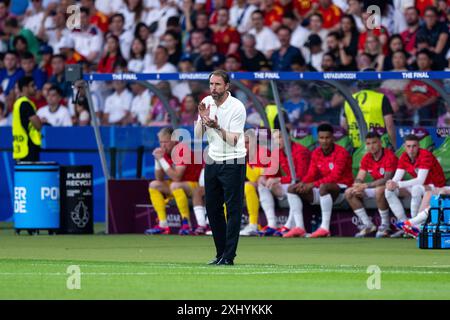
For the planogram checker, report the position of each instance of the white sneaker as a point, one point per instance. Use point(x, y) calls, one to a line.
point(364, 231)
point(398, 234)
point(383, 232)
point(249, 230)
point(208, 233)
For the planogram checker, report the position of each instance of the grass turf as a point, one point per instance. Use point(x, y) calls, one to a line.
point(174, 267)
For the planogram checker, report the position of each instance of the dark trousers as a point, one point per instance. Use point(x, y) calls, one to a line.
point(224, 183)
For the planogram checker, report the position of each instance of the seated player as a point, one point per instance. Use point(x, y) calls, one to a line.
point(329, 174)
point(256, 154)
point(381, 164)
point(426, 173)
point(176, 161)
point(277, 184)
point(412, 226)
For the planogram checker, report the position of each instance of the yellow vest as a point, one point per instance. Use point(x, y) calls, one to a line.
point(21, 134)
point(271, 112)
point(371, 104)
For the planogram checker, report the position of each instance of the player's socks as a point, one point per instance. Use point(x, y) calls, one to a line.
point(326, 204)
point(420, 218)
point(417, 193)
point(384, 214)
point(296, 209)
point(200, 215)
point(395, 204)
point(251, 198)
point(182, 202)
point(268, 205)
point(159, 204)
point(253, 173)
point(362, 214)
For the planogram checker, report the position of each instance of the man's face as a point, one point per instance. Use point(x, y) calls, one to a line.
point(27, 65)
point(166, 143)
point(222, 18)
point(160, 56)
point(373, 145)
point(423, 62)
point(248, 43)
point(284, 36)
point(411, 17)
point(53, 98)
point(116, 24)
point(206, 51)
point(31, 89)
point(412, 149)
point(332, 43)
point(201, 21)
point(57, 65)
point(232, 65)
point(325, 140)
point(84, 20)
point(430, 18)
point(257, 20)
point(10, 61)
point(217, 87)
point(315, 23)
point(327, 62)
point(118, 85)
point(197, 39)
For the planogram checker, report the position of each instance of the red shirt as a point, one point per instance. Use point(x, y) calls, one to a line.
point(184, 156)
point(335, 167)
point(223, 39)
point(262, 158)
point(425, 160)
point(421, 5)
point(303, 6)
point(331, 16)
point(301, 156)
point(377, 169)
point(100, 20)
point(409, 39)
point(273, 15)
point(106, 64)
point(375, 32)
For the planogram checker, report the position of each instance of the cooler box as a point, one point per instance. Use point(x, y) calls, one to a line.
point(36, 196)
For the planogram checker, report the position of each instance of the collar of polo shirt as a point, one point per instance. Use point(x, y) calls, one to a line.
point(225, 102)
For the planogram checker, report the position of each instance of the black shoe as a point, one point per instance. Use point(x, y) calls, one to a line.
point(225, 262)
point(214, 261)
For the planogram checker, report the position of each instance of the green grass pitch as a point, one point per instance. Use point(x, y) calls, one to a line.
point(174, 267)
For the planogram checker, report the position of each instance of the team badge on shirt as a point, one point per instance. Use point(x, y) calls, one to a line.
point(382, 171)
point(331, 165)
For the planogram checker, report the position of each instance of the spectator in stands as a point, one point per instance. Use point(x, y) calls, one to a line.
point(374, 50)
point(232, 63)
point(342, 58)
point(117, 105)
point(4, 15)
point(241, 15)
point(96, 17)
point(208, 59)
point(349, 35)
point(138, 56)
point(112, 56)
point(395, 44)
point(158, 115)
point(172, 41)
point(34, 17)
point(11, 72)
point(133, 12)
point(58, 78)
point(282, 58)
point(161, 62)
point(117, 28)
point(82, 116)
point(380, 163)
point(409, 35)
point(314, 59)
point(328, 62)
point(319, 113)
point(55, 114)
point(329, 173)
point(437, 33)
point(88, 39)
point(331, 15)
point(140, 105)
point(380, 33)
point(157, 18)
point(363, 61)
point(20, 45)
point(422, 99)
point(143, 32)
point(273, 14)
point(12, 30)
point(46, 53)
point(201, 24)
point(252, 59)
point(226, 38)
point(196, 39)
point(30, 69)
point(295, 105)
point(393, 19)
point(189, 110)
point(53, 28)
point(266, 40)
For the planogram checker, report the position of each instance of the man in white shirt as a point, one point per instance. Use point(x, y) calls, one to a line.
point(54, 113)
point(117, 105)
point(157, 18)
point(140, 106)
point(88, 39)
point(117, 28)
point(266, 40)
point(223, 117)
point(241, 16)
point(161, 64)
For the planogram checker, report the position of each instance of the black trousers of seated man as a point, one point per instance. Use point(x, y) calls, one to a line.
point(224, 183)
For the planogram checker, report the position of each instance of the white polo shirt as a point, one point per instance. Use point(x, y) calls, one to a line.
point(231, 116)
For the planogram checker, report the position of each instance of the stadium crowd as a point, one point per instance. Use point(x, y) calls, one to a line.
point(186, 36)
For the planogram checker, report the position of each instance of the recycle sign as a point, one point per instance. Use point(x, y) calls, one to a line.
point(80, 215)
